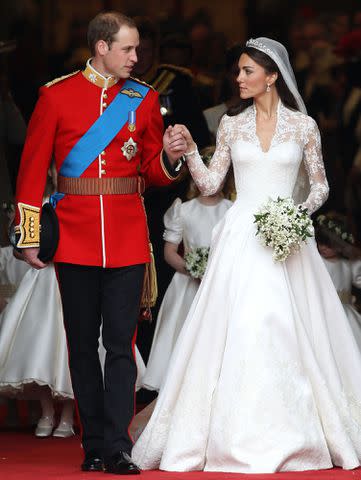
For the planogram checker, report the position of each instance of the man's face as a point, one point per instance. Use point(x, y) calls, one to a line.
point(121, 57)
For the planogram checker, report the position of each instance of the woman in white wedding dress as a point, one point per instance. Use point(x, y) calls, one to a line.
point(265, 375)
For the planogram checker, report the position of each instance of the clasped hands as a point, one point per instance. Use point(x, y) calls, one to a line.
point(177, 141)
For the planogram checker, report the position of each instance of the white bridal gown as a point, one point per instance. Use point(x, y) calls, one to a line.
point(265, 375)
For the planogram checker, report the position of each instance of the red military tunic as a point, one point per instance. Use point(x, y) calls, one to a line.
point(99, 230)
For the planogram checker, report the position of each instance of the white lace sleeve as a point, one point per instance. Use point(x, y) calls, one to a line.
point(210, 179)
point(315, 169)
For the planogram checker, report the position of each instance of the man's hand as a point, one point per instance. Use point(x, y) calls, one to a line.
point(30, 256)
point(174, 143)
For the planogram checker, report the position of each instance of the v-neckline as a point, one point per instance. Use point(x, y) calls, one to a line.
point(258, 140)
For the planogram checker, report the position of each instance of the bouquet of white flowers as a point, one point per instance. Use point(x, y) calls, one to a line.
point(283, 226)
point(196, 261)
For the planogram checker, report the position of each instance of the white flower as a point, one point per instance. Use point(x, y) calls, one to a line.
point(283, 226)
point(196, 261)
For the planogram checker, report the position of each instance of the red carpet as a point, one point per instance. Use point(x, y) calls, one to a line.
point(24, 457)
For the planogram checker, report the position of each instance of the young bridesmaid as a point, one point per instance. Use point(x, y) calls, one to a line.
point(343, 262)
point(189, 223)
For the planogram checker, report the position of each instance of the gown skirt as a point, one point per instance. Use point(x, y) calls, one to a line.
point(265, 375)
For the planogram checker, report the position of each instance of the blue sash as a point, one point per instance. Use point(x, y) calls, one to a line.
point(102, 132)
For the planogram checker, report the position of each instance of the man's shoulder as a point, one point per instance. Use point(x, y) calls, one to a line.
point(141, 82)
point(64, 79)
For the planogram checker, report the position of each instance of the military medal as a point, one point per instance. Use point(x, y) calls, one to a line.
point(131, 120)
point(129, 149)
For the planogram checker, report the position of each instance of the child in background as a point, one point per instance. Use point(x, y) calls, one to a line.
point(190, 223)
point(33, 350)
point(343, 262)
point(11, 269)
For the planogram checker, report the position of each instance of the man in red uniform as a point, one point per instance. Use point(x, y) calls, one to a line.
point(105, 132)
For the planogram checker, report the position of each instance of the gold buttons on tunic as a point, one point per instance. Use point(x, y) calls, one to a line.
point(103, 172)
point(103, 162)
point(105, 95)
point(105, 105)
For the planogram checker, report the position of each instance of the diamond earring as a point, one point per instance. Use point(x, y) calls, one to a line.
point(268, 89)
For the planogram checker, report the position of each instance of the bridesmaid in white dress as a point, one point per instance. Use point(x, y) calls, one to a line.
point(265, 375)
point(192, 223)
point(33, 349)
point(12, 271)
point(343, 263)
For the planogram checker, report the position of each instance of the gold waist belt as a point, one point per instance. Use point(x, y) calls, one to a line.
point(100, 186)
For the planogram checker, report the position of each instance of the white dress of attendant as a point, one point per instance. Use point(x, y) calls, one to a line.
point(191, 222)
point(12, 271)
point(345, 274)
point(33, 348)
point(265, 375)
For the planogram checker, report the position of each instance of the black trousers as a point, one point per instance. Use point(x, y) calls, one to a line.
point(92, 296)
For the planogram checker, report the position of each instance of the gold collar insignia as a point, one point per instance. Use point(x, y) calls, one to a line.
point(97, 78)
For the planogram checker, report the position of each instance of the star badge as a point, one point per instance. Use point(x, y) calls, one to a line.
point(92, 77)
point(129, 149)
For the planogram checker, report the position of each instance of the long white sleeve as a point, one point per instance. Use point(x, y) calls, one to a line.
point(315, 169)
point(209, 180)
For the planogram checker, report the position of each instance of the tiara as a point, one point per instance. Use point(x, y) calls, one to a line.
point(254, 43)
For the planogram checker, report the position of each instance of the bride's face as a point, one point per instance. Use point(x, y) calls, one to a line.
point(252, 78)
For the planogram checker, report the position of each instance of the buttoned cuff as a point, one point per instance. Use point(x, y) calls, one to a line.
point(29, 226)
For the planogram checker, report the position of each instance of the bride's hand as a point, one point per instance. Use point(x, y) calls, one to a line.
point(179, 128)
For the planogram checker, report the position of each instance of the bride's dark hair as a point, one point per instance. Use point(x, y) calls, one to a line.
point(269, 66)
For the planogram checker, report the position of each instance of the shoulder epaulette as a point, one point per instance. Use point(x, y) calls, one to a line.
point(176, 68)
point(162, 82)
point(143, 83)
point(59, 79)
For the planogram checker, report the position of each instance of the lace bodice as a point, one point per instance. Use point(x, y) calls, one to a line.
point(259, 175)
